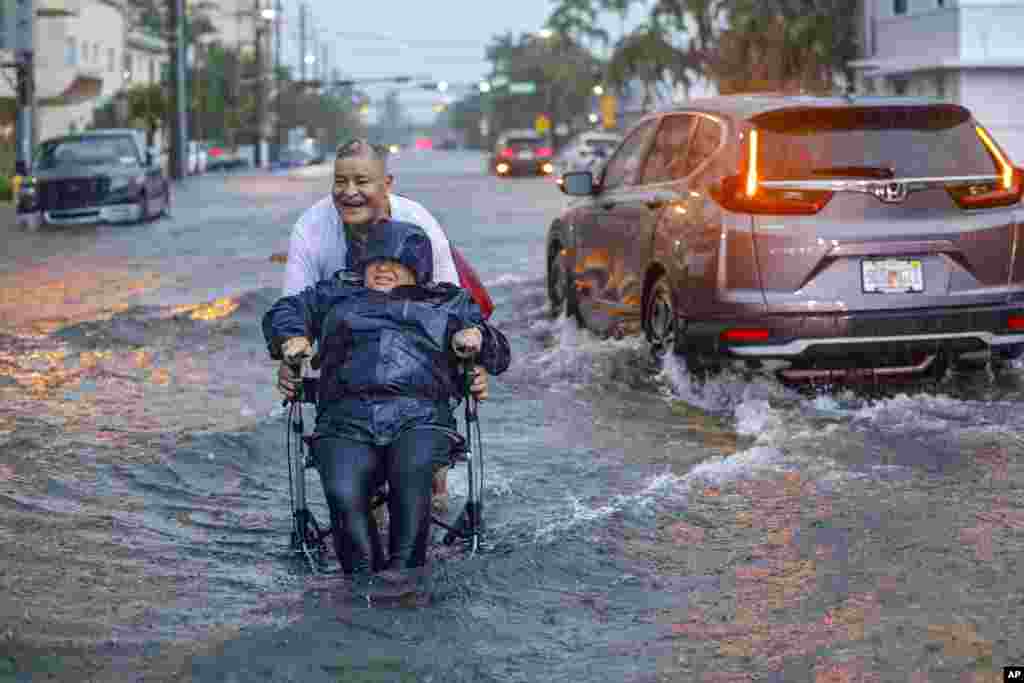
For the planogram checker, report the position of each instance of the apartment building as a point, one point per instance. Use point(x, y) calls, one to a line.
point(970, 52)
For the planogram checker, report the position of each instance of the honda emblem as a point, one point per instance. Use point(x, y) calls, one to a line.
point(891, 193)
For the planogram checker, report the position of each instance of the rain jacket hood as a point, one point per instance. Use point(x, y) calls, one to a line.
point(403, 242)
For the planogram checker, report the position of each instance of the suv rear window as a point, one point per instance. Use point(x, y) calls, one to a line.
point(909, 141)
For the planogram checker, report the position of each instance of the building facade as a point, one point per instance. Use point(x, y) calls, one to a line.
point(969, 52)
point(84, 56)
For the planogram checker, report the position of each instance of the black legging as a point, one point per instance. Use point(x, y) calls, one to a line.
point(351, 472)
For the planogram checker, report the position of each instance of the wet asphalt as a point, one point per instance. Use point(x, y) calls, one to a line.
point(639, 527)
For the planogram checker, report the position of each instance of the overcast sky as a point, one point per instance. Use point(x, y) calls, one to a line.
point(442, 39)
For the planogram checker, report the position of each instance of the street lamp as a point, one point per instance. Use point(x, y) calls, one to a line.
point(264, 16)
point(599, 89)
point(484, 86)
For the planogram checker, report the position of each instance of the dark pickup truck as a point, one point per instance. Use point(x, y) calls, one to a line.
point(99, 176)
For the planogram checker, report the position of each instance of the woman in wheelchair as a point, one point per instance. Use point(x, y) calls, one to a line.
point(389, 351)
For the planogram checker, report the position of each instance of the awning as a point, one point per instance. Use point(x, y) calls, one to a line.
point(82, 89)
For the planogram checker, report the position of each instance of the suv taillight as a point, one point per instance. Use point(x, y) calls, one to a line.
point(508, 153)
point(1003, 192)
point(743, 193)
point(544, 151)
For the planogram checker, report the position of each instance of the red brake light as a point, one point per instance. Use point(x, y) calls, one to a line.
point(745, 334)
point(215, 151)
point(508, 153)
point(544, 152)
point(1003, 192)
point(743, 192)
point(1015, 322)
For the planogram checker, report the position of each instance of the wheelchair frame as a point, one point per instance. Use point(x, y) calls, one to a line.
point(308, 538)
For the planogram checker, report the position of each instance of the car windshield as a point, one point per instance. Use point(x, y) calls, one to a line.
point(522, 142)
point(88, 151)
point(871, 142)
point(602, 145)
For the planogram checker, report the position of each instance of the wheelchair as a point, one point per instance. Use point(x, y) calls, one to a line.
point(309, 538)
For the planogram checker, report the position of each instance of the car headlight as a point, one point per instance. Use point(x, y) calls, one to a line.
point(126, 182)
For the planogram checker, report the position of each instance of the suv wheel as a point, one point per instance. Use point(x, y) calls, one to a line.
point(659, 318)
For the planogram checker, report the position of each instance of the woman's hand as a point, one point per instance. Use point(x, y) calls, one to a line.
point(467, 342)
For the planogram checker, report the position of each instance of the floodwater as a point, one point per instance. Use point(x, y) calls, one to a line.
point(639, 527)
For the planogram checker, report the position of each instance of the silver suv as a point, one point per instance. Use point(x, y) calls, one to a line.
point(843, 236)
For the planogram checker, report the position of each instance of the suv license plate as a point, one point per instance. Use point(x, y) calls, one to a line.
point(892, 276)
point(526, 155)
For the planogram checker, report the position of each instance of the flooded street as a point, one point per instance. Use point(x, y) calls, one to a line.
point(640, 528)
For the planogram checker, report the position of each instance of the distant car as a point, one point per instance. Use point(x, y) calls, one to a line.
point(99, 176)
point(295, 158)
point(834, 237)
point(222, 158)
point(521, 152)
point(586, 151)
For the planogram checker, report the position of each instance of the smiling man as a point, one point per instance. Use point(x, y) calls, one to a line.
point(331, 235)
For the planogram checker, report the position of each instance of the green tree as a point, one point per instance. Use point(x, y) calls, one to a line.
point(648, 55)
point(148, 107)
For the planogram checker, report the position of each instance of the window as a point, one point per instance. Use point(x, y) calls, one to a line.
point(706, 141)
point(667, 159)
point(110, 59)
point(899, 7)
point(71, 51)
point(912, 141)
point(623, 167)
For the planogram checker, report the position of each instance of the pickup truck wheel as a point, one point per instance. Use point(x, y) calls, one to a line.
point(144, 209)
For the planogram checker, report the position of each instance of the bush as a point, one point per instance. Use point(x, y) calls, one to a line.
point(6, 189)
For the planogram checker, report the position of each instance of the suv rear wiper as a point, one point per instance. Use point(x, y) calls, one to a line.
point(880, 172)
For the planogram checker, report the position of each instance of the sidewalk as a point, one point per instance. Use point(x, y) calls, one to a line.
point(8, 222)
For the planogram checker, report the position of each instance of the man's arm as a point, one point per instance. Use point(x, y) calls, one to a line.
point(300, 272)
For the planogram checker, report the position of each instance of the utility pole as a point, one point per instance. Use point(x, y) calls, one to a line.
point(302, 40)
point(179, 131)
point(260, 90)
point(278, 82)
point(24, 64)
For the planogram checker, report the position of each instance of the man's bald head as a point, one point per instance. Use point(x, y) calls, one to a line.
point(361, 183)
point(361, 148)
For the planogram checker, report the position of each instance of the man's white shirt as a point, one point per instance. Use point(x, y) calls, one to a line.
point(317, 247)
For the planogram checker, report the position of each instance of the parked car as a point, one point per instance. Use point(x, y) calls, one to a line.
point(100, 176)
point(222, 158)
point(837, 237)
point(294, 158)
point(518, 152)
point(587, 151)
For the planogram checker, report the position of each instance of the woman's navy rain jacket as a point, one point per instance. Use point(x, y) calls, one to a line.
point(385, 358)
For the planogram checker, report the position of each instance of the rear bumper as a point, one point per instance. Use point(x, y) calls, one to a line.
point(891, 333)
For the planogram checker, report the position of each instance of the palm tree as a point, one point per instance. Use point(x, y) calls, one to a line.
point(647, 54)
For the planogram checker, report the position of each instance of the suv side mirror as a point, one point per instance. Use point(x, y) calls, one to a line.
point(578, 184)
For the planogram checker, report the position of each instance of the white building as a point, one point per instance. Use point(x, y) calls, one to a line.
point(83, 56)
point(970, 52)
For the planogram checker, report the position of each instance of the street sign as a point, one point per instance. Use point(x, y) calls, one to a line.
point(524, 88)
point(542, 124)
point(609, 108)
